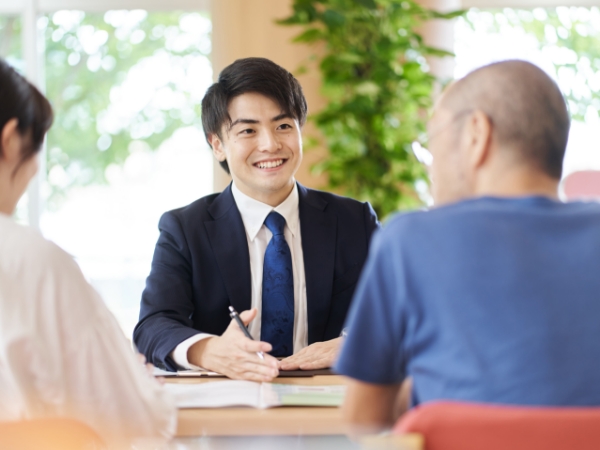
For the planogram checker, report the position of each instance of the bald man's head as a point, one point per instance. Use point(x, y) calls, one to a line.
point(527, 111)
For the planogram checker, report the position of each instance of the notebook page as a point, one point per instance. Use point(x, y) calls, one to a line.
point(215, 395)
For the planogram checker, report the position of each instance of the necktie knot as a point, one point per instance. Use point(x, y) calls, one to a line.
point(275, 222)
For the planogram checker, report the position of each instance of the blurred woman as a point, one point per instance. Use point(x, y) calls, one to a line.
point(62, 353)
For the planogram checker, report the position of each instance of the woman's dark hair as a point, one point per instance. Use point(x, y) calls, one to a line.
point(258, 75)
point(21, 100)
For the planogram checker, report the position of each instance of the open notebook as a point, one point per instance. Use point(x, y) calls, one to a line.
point(256, 395)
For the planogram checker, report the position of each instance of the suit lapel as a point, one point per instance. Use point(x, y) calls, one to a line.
point(229, 243)
point(319, 230)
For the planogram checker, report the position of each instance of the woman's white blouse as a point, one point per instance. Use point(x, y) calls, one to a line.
point(62, 353)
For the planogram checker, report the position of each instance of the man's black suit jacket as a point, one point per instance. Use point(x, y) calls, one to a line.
point(201, 265)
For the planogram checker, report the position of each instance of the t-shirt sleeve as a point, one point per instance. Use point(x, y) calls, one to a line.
point(373, 349)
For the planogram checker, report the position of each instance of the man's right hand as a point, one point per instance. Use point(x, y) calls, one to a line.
point(234, 355)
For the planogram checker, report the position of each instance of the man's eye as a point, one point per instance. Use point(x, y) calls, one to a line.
point(285, 126)
point(247, 131)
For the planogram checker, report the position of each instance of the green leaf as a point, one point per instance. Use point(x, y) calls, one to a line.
point(333, 18)
point(352, 58)
point(432, 51)
point(449, 15)
point(367, 88)
point(310, 35)
point(367, 3)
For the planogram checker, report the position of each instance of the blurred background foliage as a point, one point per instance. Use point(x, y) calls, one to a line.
point(10, 38)
point(101, 76)
point(379, 90)
point(89, 62)
point(370, 56)
point(569, 36)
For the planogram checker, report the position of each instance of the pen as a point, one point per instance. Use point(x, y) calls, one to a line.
point(234, 315)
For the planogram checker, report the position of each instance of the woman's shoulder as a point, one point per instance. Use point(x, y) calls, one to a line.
point(24, 248)
point(46, 275)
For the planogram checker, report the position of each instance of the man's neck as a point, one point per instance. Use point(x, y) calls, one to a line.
point(517, 183)
point(273, 199)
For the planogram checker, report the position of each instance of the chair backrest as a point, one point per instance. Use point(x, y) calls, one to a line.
point(582, 185)
point(48, 434)
point(470, 426)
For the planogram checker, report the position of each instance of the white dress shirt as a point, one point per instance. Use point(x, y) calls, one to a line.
point(253, 215)
point(62, 353)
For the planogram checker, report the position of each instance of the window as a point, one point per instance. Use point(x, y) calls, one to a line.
point(563, 42)
point(126, 144)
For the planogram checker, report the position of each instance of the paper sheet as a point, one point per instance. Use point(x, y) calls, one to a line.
point(257, 395)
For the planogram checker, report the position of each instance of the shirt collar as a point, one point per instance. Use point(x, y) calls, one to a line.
point(254, 212)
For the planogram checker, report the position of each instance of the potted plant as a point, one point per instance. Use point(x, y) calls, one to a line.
point(379, 89)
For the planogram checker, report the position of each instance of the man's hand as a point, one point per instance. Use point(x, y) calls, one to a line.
point(234, 355)
point(319, 355)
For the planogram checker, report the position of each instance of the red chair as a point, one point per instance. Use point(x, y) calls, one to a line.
point(48, 434)
point(471, 426)
point(582, 185)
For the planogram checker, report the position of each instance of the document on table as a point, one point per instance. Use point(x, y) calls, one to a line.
point(186, 373)
point(195, 373)
point(256, 395)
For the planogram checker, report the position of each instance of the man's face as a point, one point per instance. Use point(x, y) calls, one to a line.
point(263, 148)
point(448, 170)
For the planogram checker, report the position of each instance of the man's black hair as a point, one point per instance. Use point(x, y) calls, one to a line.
point(257, 75)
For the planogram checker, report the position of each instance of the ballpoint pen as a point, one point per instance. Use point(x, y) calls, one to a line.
point(235, 316)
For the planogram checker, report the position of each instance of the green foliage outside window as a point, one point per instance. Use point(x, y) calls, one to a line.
point(569, 35)
point(10, 38)
point(379, 90)
point(87, 60)
point(88, 57)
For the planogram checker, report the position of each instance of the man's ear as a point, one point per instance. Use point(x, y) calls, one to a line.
point(11, 141)
point(479, 138)
point(217, 147)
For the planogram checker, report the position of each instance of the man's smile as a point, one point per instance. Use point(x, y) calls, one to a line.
point(271, 164)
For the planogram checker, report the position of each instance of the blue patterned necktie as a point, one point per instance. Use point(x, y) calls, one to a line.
point(277, 325)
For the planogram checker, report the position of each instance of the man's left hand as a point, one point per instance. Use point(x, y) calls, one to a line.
point(319, 355)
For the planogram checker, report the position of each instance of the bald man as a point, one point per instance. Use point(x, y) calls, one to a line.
point(493, 295)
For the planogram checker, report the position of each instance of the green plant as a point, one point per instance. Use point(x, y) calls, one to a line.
point(378, 87)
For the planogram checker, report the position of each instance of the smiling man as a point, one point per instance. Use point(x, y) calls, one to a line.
point(288, 257)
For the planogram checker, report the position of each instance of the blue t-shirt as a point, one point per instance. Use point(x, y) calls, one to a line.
point(489, 300)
